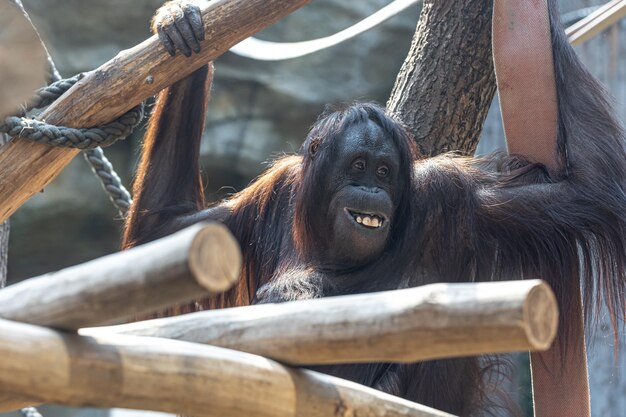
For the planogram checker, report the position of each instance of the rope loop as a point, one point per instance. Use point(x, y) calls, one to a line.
point(91, 140)
point(46, 95)
point(67, 137)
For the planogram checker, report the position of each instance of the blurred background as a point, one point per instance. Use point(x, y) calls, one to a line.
point(258, 110)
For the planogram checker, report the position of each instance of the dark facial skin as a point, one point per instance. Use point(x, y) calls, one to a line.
point(363, 185)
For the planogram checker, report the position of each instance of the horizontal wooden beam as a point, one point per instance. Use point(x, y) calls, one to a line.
point(601, 19)
point(120, 84)
point(434, 321)
point(177, 377)
point(200, 260)
point(11, 402)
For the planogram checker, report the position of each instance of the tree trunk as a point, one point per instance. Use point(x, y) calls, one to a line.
point(446, 84)
point(445, 87)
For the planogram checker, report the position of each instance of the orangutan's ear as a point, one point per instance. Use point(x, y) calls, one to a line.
point(314, 147)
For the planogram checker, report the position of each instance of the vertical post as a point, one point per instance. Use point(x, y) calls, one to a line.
point(522, 48)
point(559, 376)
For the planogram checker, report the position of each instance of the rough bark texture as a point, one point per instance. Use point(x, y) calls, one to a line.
point(446, 84)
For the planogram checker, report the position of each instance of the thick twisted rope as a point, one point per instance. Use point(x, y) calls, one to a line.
point(46, 95)
point(83, 138)
point(91, 140)
point(110, 180)
point(100, 165)
point(68, 137)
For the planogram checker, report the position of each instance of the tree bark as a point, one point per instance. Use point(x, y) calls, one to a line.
point(445, 87)
point(446, 84)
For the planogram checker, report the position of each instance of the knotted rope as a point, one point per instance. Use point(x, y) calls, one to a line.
point(67, 137)
point(91, 140)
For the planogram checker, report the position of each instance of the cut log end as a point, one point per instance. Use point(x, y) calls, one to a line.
point(541, 315)
point(215, 258)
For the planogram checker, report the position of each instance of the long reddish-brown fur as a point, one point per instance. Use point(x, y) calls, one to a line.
point(460, 219)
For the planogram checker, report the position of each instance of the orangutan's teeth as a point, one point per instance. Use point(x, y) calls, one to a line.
point(369, 220)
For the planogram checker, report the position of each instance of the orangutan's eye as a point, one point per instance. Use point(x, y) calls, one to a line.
point(359, 164)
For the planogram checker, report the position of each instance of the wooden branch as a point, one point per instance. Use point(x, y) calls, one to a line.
point(601, 19)
point(434, 321)
point(181, 267)
point(177, 377)
point(122, 83)
point(11, 402)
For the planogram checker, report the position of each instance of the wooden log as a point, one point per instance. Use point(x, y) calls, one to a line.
point(204, 258)
point(430, 322)
point(11, 402)
point(601, 19)
point(122, 83)
point(177, 377)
